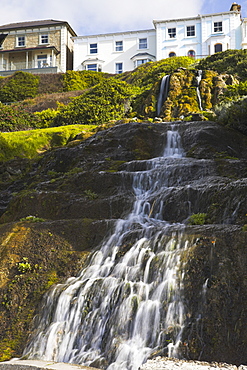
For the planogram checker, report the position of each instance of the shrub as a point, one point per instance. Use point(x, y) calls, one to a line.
point(46, 117)
point(233, 92)
point(14, 119)
point(81, 80)
point(32, 219)
point(109, 100)
point(19, 86)
point(229, 61)
point(233, 114)
point(197, 219)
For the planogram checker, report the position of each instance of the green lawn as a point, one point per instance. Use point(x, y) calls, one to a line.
point(30, 143)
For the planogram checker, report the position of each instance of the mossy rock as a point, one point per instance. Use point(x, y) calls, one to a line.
point(53, 251)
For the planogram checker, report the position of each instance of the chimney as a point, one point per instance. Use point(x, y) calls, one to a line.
point(235, 7)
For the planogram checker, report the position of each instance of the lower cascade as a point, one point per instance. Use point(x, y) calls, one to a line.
point(128, 302)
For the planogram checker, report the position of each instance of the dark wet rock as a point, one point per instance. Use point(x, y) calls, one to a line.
point(80, 191)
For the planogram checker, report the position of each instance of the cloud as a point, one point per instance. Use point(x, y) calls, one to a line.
point(99, 16)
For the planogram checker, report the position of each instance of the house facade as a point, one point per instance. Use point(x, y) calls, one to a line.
point(114, 52)
point(244, 34)
point(36, 47)
point(197, 37)
point(51, 46)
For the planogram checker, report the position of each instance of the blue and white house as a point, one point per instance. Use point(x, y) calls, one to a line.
point(198, 37)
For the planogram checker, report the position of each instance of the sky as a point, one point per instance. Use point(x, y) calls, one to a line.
point(89, 17)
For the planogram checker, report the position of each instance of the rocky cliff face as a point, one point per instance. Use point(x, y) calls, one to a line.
point(77, 193)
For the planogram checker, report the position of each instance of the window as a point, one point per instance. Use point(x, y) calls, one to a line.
point(141, 61)
point(42, 61)
point(143, 43)
point(44, 39)
point(218, 27)
point(119, 46)
point(191, 31)
point(2, 38)
point(119, 68)
point(191, 53)
point(92, 67)
point(172, 33)
point(172, 54)
point(217, 48)
point(93, 48)
point(21, 41)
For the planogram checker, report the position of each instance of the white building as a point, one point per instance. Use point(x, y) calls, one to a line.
point(114, 52)
point(197, 37)
point(244, 34)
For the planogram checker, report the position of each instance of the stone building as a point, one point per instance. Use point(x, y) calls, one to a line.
point(44, 46)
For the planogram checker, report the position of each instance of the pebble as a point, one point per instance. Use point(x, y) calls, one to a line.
point(163, 363)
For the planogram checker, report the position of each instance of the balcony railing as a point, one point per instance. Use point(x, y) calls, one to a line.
point(38, 67)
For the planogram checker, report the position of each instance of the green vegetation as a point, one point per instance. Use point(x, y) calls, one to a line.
point(46, 117)
point(233, 114)
point(30, 143)
point(29, 275)
point(86, 97)
point(32, 219)
point(24, 266)
point(233, 62)
point(103, 103)
point(90, 194)
point(19, 86)
point(14, 119)
point(235, 91)
point(197, 219)
point(81, 80)
point(148, 74)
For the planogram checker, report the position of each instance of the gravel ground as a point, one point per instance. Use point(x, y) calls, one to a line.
point(162, 363)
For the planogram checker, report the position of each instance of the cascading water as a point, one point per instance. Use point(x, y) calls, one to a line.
point(164, 88)
point(128, 301)
point(198, 78)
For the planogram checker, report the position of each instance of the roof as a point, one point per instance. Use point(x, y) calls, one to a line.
point(199, 16)
point(18, 50)
point(114, 33)
point(39, 23)
point(142, 55)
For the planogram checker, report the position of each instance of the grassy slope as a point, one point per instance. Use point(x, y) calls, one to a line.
point(30, 143)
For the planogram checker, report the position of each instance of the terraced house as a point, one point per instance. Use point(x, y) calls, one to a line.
point(198, 37)
point(50, 46)
point(44, 46)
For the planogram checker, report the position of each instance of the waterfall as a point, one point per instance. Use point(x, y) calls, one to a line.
point(127, 302)
point(164, 88)
point(198, 78)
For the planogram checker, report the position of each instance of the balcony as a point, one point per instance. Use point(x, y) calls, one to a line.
point(37, 60)
point(30, 67)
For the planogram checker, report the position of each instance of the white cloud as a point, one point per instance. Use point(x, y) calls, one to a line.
point(99, 16)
